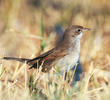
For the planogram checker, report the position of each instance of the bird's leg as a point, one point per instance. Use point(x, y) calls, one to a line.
point(65, 76)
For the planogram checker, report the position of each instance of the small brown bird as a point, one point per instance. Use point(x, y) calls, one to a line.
point(65, 55)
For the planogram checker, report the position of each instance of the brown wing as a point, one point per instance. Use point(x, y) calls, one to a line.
point(43, 55)
point(51, 60)
point(37, 59)
point(47, 59)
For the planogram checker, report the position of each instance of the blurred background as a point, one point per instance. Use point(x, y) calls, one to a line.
point(31, 27)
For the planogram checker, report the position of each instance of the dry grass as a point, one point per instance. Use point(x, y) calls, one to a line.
point(21, 26)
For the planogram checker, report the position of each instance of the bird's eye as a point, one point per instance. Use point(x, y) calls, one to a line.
point(78, 30)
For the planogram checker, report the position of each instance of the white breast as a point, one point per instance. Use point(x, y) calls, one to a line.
point(68, 61)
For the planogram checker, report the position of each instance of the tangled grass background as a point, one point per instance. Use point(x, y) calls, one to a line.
point(28, 28)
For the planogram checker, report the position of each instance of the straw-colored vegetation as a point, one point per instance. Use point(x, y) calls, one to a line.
point(27, 30)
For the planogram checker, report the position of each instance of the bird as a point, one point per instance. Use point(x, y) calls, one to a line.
point(64, 55)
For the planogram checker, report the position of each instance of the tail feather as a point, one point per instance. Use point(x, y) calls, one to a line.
point(16, 59)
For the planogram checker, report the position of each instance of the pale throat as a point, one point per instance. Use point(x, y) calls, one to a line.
point(75, 45)
point(69, 61)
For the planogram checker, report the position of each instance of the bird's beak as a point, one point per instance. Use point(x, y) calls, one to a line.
point(86, 29)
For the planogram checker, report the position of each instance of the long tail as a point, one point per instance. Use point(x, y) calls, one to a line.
point(16, 59)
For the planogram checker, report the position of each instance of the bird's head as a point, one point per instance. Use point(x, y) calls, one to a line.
point(75, 31)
